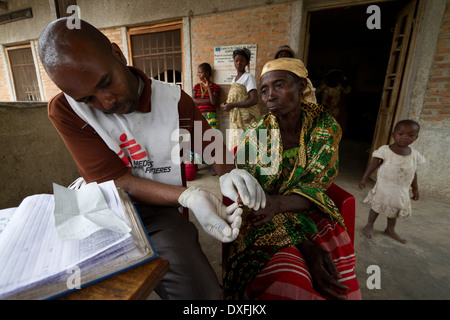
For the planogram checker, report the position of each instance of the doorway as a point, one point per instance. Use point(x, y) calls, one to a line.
point(343, 50)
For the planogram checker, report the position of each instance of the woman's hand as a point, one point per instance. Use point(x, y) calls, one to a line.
point(227, 106)
point(323, 271)
point(278, 203)
point(262, 216)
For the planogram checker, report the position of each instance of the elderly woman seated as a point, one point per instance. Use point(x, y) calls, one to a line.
point(296, 247)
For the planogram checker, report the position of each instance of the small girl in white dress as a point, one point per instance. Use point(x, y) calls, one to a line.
point(397, 172)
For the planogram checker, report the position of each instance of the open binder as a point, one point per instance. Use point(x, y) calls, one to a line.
point(36, 264)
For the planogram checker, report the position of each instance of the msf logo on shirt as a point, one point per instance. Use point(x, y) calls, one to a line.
point(135, 157)
point(135, 151)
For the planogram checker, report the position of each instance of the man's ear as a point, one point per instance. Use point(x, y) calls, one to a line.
point(117, 53)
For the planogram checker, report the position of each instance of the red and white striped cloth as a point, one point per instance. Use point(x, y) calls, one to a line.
point(287, 277)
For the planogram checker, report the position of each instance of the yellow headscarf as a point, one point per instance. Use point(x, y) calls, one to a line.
point(297, 67)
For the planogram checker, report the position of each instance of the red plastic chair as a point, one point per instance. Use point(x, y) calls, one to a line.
point(345, 202)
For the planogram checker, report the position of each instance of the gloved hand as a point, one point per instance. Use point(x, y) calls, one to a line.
point(217, 220)
point(241, 183)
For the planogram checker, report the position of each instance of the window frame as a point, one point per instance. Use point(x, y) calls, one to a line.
point(11, 71)
point(169, 26)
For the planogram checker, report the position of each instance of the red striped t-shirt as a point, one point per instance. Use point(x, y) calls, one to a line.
point(205, 107)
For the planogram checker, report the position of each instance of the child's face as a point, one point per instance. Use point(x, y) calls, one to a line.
point(202, 74)
point(404, 135)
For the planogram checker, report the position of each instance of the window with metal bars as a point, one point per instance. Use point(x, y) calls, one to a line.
point(158, 51)
point(24, 73)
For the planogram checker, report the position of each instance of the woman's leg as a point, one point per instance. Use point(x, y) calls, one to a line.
point(287, 276)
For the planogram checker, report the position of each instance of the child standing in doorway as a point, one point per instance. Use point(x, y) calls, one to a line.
point(397, 172)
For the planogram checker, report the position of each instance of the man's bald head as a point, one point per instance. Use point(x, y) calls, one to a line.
point(57, 42)
point(85, 65)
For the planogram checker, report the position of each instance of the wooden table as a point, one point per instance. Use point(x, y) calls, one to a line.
point(134, 284)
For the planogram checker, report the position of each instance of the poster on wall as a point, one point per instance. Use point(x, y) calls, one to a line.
point(224, 70)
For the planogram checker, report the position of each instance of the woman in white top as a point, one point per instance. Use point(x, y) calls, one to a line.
point(242, 100)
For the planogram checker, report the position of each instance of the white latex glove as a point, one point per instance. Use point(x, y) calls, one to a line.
point(240, 182)
point(217, 220)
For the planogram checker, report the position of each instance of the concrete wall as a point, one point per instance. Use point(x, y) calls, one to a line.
point(113, 13)
point(43, 13)
point(136, 12)
point(32, 153)
point(428, 98)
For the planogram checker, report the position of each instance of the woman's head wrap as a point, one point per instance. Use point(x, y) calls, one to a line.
point(297, 67)
point(246, 53)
